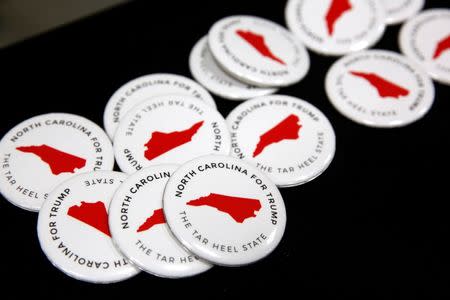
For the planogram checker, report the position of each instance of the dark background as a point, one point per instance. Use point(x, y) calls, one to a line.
point(376, 223)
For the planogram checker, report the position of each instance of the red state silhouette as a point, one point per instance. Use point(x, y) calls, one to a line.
point(287, 129)
point(442, 46)
point(238, 208)
point(156, 218)
point(92, 214)
point(335, 12)
point(161, 142)
point(258, 42)
point(384, 87)
point(58, 161)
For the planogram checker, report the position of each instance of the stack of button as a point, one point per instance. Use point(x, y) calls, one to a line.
point(187, 203)
point(243, 57)
point(184, 207)
point(137, 90)
point(196, 189)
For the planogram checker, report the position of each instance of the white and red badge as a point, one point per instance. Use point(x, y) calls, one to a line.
point(426, 40)
point(336, 27)
point(397, 11)
point(205, 70)
point(139, 229)
point(258, 51)
point(137, 90)
point(287, 138)
point(379, 88)
point(73, 229)
point(45, 150)
point(224, 210)
point(169, 129)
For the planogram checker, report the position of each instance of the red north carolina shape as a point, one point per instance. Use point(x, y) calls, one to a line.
point(161, 142)
point(335, 12)
point(287, 129)
point(442, 46)
point(156, 218)
point(384, 87)
point(92, 214)
point(257, 41)
point(238, 208)
point(58, 161)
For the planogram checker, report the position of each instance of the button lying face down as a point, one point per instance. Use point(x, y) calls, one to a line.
point(137, 90)
point(138, 228)
point(73, 229)
point(287, 138)
point(206, 71)
point(169, 129)
point(397, 11)
point(224, 210)
point(336, 27)
point(43, 151)
point(426, 40)
point(379, 88)
point(258, 51)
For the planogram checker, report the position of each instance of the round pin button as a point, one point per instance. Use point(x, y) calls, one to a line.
point(258, 51)
point(397, 11)
point(169, 129)
point(224, 210)
point(45, 150)
point(379, 88)
point(206, 71)
point(288, 139)
point(426, 40)
point(139, 229)
point(137, 90)
point(336, 27)
point(73, 229)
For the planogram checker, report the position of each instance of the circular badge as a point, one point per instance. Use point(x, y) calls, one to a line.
point(139, 228)
point(73, 229)
point(169, 129)
point(287, 138)
point(426, 40)
point(45, 150)
point(258, 51)
point(397, 11)
point(206, 71)
point(336, 27)
point(224, 210)
point(146, 87)
point(379, 88)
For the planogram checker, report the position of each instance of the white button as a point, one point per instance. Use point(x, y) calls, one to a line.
point(224, 210)
point(397, 11)
point(287, 138)
point(336, 27)
point(137, 90)
point(139, 228)
point(169, 129)
point(258, 51)
point(206, 71)
point(379, 88)
point(426, 40)
point(73, 229)
point(45, 150)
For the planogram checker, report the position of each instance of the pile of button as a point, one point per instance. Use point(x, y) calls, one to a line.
point(199, 190)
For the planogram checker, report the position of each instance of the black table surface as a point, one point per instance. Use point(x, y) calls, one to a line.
point(375, 223)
